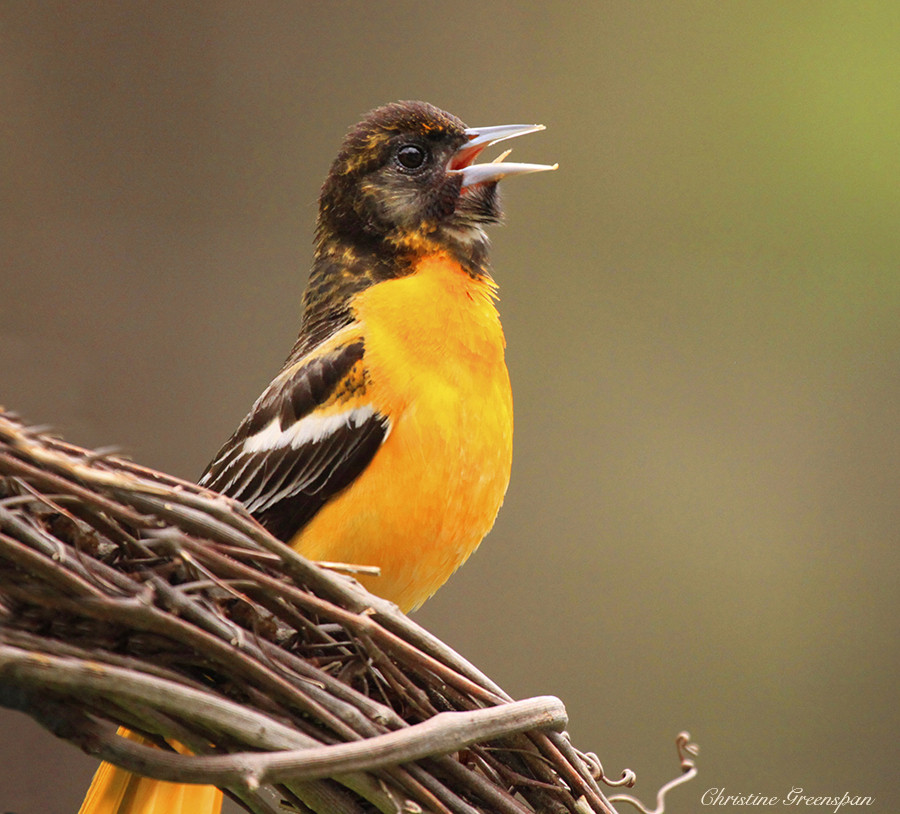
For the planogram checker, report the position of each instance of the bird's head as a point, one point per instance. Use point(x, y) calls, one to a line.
point(404, 181)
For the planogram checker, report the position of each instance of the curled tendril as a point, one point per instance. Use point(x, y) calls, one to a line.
point(593, 764)
point(595, 767)
point(689, 770)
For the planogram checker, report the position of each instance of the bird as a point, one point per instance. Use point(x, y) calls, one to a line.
point(386, 438)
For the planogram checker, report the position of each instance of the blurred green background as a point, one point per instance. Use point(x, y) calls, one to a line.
point(702, 308)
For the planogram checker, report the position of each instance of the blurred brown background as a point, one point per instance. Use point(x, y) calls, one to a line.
point(702, 308)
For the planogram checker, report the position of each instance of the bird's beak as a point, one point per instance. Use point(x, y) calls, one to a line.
point(481, 137)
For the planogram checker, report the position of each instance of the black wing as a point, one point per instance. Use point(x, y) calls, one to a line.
point(309, 435)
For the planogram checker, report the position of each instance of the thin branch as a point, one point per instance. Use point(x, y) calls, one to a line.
point(68, 675)
point(444, 733)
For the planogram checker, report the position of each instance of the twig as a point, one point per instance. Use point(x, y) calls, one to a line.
point(444, 733)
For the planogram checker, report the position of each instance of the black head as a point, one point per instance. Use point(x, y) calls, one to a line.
point(390, 181)
point(399, 179)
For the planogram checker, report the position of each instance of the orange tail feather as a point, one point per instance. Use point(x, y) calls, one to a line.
point(116, 791)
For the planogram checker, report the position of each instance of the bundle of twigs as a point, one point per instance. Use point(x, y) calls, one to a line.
point(128, 597)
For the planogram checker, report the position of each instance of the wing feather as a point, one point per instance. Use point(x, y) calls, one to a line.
point(309, 436)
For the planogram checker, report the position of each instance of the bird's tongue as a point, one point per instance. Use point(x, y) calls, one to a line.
point(465, 155)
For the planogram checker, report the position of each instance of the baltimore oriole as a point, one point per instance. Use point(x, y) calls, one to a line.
point(386, 439)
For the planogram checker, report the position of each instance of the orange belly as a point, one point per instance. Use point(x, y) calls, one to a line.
point(434, 353)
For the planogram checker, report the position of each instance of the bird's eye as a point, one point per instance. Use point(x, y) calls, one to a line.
point(411, 156)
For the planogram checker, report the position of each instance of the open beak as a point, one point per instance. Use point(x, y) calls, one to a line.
point(482, 137)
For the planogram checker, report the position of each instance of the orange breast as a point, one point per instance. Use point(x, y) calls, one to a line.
point(434, 352)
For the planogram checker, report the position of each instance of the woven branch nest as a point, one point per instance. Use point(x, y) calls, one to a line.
point(131, 598)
